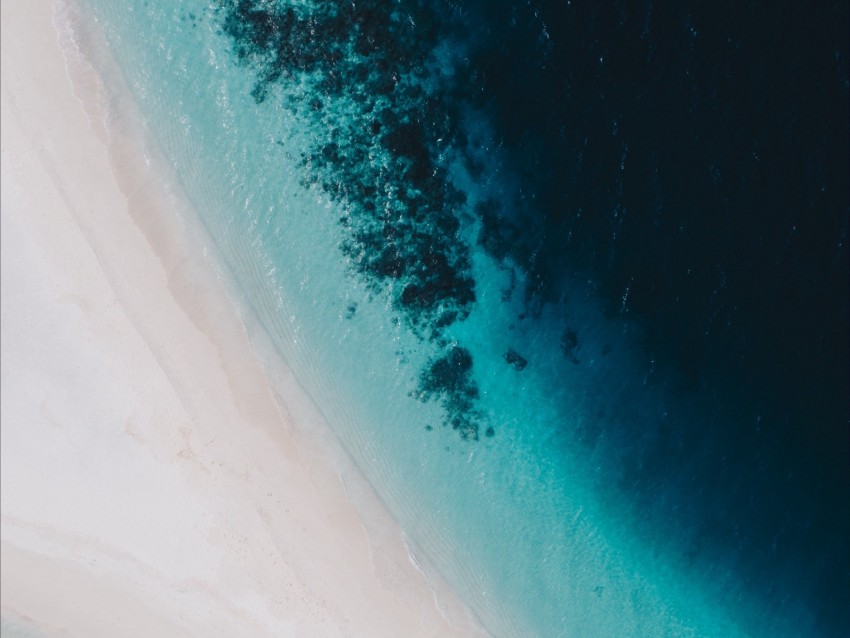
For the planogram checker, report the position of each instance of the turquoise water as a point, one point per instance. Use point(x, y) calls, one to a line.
point(534, 503)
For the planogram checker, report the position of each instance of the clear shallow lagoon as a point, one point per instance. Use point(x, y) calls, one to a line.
point(473, 243)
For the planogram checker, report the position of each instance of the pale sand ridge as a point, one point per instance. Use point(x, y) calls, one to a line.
point(151, 483)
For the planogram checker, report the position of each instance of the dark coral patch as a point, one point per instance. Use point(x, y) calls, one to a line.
point(569, 344)
point(449, 373)
point(377, 151)
point(449, 377)
point(516, 359)
point(403, 209)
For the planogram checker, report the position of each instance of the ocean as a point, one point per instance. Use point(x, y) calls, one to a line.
point(568, 280)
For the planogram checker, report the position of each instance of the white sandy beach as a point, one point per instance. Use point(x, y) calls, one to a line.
point(153, 484)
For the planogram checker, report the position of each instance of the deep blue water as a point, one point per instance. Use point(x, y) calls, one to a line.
point(691, 158)
point(504, 170)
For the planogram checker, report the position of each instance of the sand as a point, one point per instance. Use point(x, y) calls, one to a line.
point(153, 483)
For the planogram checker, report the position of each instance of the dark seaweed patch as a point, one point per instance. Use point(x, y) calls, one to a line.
point(376, 151)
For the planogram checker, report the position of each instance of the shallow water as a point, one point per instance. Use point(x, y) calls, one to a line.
point(568, 283)
point(13, 629)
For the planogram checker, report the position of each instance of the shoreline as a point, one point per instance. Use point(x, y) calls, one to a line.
point(153, 478)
